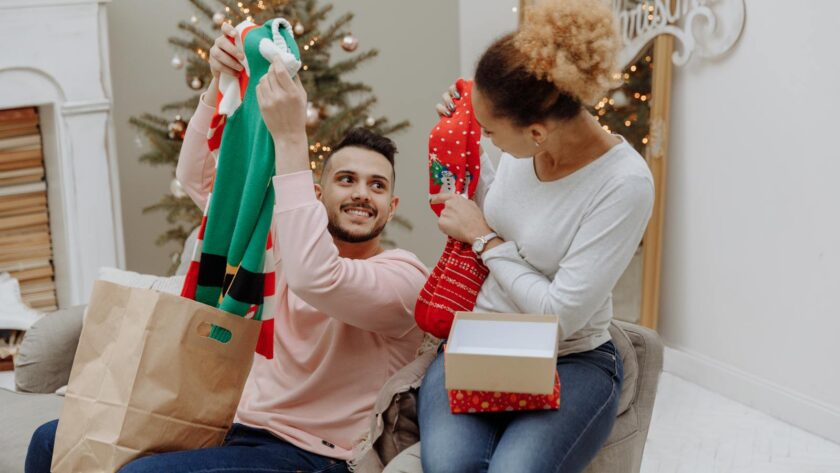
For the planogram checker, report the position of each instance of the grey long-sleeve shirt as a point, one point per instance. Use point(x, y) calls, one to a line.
point(566, 241)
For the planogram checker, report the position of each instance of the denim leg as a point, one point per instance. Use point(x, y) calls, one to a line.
point(245, 450)
point(566, 440)
point(461, 443)
point(39, 454)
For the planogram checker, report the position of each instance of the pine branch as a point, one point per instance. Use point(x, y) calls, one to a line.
point(332, 33)
point(204, 40)
point(203, 8)
point(389, 130)
point(351, 64)
point(189, 104)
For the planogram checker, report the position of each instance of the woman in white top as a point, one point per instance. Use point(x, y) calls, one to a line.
point(568, 206)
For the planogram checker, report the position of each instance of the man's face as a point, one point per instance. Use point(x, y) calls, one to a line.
point(357, 190)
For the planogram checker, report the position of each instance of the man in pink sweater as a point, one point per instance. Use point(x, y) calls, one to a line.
point(344, 316)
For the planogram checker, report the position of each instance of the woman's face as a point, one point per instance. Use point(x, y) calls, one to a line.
point(519, 142)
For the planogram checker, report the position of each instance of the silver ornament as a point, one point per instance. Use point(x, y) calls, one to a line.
point(313, 115)
point(349, 43)
point(193, 19)
point(299, 29)
point(218, 18)
point(370, 121)
point(620, 99)
point(176, 62)
point(177, 189)
point(196, 83)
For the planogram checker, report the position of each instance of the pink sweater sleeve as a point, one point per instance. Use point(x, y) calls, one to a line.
point(376, 294)
point(196, 166)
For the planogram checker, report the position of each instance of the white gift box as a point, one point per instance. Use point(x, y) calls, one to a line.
point(514, 353)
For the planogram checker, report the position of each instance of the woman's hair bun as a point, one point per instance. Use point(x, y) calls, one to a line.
point(573, 44)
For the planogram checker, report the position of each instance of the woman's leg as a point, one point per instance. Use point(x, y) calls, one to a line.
point(453, 443)
point(566, 440)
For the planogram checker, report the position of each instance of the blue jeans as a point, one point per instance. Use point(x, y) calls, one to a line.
point(245, 450)
point(565, 440)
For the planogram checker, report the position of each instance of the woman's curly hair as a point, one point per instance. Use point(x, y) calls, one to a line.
point(564, 55)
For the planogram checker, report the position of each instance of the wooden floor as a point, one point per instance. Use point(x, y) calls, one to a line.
point(697, 431)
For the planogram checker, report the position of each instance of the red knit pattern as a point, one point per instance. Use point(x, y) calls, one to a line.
point(454, 167)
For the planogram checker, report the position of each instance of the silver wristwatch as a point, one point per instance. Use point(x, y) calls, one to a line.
point(481, 242)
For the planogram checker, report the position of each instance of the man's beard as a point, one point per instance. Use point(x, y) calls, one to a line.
point(344, 235)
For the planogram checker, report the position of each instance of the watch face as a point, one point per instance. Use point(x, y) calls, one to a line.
point(477, 246)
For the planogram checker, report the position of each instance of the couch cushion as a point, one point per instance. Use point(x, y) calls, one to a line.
point(46, 353)
point(22, 414)
point(631, 367)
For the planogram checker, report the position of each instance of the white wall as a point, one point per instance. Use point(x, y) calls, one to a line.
point(751, 266)
point(143, 81)
point(751, 263)
point(418, 59)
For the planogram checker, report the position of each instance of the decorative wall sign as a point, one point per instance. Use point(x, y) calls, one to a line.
point(706, 27)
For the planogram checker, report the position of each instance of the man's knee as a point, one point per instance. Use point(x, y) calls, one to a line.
point(39, 454)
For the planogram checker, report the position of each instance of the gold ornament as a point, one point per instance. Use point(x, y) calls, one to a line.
point(349, 43)
point(177, 128)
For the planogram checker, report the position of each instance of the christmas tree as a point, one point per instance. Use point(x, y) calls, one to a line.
point(335, 105)
point(626, 109)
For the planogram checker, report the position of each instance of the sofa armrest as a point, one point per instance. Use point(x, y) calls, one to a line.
point(46, 353)
point(649, 348)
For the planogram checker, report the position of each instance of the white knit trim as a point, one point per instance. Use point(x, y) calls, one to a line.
point(278, 49)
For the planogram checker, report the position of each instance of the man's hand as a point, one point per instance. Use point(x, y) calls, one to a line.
point(461, 218)
point(282, 102)
point(224, 55)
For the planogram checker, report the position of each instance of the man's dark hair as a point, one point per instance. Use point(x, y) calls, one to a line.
point(370, 140)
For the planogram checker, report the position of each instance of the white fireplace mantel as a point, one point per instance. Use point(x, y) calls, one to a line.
point(54, 55)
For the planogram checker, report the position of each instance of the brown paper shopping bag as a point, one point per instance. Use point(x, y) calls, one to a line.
point(146, 379)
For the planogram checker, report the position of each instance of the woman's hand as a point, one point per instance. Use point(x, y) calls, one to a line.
point(461, 218)
point(224, 55)
point(447, 105)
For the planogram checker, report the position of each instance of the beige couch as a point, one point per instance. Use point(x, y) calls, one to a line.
point(641, 350)
point(46, 355)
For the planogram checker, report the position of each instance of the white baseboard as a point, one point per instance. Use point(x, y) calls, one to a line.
point(780, 402)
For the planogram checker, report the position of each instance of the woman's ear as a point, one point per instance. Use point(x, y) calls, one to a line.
point(539, 133)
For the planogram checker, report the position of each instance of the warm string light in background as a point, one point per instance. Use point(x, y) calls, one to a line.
point(627, 101)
